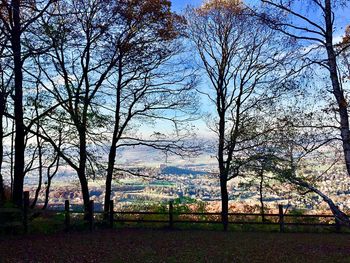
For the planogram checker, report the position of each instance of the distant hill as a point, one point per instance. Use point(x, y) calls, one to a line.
point(179, 171)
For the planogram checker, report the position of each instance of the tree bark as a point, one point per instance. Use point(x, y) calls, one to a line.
point(2, 111)
point(82, 169)
point(342, 217)
point(40, 146)
point(337, 90)
point(224, 203)
point(12, 155)
point(110, 169)
point(47, 193)
point(222, 169)
point(261, 185)
point(37, 191)
point(113, 148)
point(84, 189)
point(49, 179)
point(18, 105)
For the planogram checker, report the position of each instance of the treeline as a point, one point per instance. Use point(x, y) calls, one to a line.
point(82, 79)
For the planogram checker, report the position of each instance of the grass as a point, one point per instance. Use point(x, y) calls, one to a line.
point(161, 245)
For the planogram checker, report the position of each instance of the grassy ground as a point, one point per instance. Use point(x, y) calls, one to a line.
point(147, 245)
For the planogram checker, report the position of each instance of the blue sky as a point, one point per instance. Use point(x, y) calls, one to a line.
point(342, 14)
point(179, 5)
point(342, 19)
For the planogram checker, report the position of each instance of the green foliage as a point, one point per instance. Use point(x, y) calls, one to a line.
point(181, 204)
point(184, 200)
point(8, 204)
point(300, 218)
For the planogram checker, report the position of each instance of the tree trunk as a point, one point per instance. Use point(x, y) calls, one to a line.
point(49, 176)
point(40, 174)
point(262, 209)
point(337, 90)
point(342, 217)
point(84, 190)
point(47, 192)
point(12, 155)
point(39, 145)
point(223, 172)
point(18, 105)
point(82, 170)
point(2, 110)
point(224, 203)
point(112, 151)
point(110, 169)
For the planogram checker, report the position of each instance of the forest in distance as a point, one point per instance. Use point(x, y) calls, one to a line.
point(259, 86)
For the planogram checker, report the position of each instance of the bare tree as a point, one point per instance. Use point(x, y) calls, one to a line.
point(5, 93)
point(81, 60)
point(314, 27)
point(151, 83)
point(243, 60)
point(16, 18)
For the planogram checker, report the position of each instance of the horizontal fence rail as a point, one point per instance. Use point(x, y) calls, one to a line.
point(170, 217)
point(174, 217)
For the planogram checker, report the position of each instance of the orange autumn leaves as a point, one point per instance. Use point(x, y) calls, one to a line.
point(152, 12)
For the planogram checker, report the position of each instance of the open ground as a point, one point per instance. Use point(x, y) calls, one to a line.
point(159, 245)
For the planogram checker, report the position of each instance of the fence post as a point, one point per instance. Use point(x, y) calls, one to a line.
point(171, 218)
point(66, 215)
point(111, 213)
point(91, 214)
point(25, 210)
point(337, 224)
point(281, 218)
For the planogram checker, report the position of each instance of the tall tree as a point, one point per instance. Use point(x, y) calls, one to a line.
point(81, 60)
point(238, 53)
point(314, 27)
point(5, 93)
point(17, 17)
point(150, 82)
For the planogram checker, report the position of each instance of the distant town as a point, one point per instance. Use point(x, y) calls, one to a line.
point(194, 183)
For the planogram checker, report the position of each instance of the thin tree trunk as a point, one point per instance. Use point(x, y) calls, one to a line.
point(49, 175)
point(12, 155)
point(40, 174)
point(110, 169)
point(39, 145)
point(261, 185)
point(112, 151)
point(49, 179)
point(2, 112)
point(2, 188)
point(47, 193)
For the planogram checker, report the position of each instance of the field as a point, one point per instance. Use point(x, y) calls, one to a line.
point(161, 245)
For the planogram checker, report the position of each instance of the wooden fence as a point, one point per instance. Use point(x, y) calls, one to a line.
point(172, 217)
